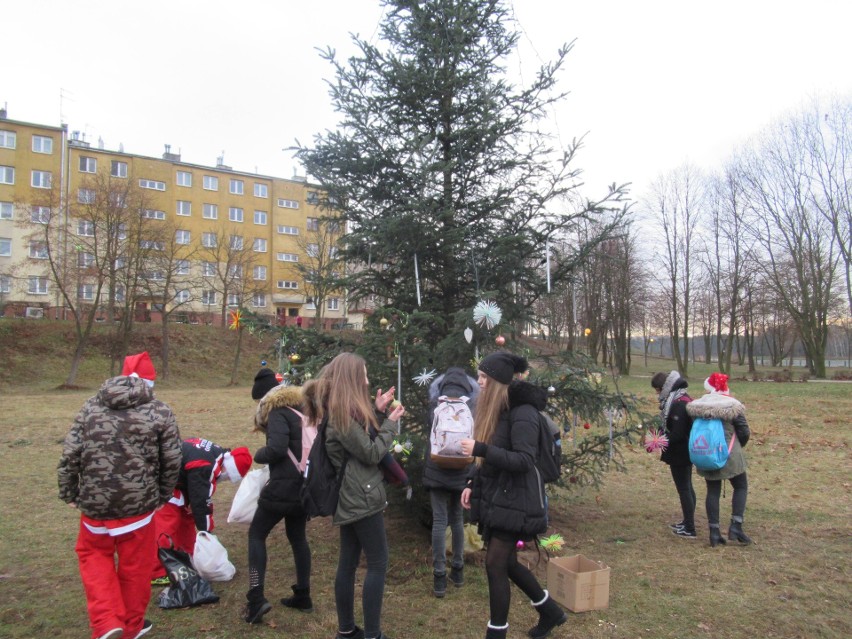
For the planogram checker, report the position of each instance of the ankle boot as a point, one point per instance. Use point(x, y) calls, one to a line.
point(716, 536)
point(496, 633)
point(301, 599)
point(457, 577)
point(735, 533)
point(439, 585)
point(256, 607)
point(550, 615)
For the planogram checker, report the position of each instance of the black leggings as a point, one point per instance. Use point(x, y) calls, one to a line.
point(682, 476)
point(738, 500)
point(501, 566)
point(262, 524)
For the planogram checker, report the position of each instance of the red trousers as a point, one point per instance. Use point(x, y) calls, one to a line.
point(117, 592)
point(179, 524)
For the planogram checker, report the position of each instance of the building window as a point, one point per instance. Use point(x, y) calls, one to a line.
point(259, 245)
point(210, 211)
point(235, 271)
point(40, 215)
point(259, 300)
point(237, 187)
point(236, 242)
point(38, 250)
point(235, 214)
point(86, 196)
point(313, 197)
point(88, 165)
point(309, 304)
point(5, 247)
point(86, 228)
point(312, 250)
point(7, 174)
point(287, 257)
point(119, 293)
point(208, 240)
point(211, 183)
point(152, 184)
point(208, 269)
point(86, 291)
point(182, 267)
point(121, 231)
point(184, 178)
point(182, 296)
point(6, 210)
point(258, 273)
point(37, 285)
point(153, 214)
point(261, 190)
point(333, 304)
point(208, 298)
point(152, 245)
point(312, 224)
point(155, 276)
point(5, 284)
point(8, 139)
point(289, 284)
point(85, 260)
point(184, 208)
point(233, 299)
point(288, 204)
point(118, 169)
point(42, 179)
point(287, 230)
point(42, 144)
point(260, 217)
point(182, 237)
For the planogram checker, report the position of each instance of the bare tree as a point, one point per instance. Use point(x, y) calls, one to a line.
point(320, 264)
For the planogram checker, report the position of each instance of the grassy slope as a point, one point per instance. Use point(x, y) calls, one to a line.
point(793, 583)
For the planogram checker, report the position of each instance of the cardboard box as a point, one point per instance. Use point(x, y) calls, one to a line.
point(578, 583)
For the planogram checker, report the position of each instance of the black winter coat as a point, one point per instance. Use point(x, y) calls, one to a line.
point(678, 426)
point(508, 491)
point(283, 431)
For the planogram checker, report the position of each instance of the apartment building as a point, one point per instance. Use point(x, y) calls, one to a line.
point(195, 219)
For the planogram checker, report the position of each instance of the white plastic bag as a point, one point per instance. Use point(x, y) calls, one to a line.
point(245, 499)
point(210, 558)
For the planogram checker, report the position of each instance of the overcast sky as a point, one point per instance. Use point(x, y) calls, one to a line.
point(654, 83)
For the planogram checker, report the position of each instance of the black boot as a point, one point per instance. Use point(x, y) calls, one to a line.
point(496, 633)
point(716, 536)
point(301, 599)
point(256, 607)
point(457, 577)
point(439, 585)
point(735, 533)
point(550, 615)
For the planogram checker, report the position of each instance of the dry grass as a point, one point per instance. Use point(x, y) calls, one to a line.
point(794, 582)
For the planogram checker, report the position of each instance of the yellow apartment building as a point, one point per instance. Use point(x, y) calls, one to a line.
point(189, 211)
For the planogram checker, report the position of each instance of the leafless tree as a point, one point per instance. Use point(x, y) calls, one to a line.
point(320, 265)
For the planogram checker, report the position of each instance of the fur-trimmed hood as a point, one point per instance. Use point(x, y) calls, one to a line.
point(278, 397)
point(715, 405)
point(521, 393)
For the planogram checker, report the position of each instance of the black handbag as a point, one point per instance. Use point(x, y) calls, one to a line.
point(186, 587)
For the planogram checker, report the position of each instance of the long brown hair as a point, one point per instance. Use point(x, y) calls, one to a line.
point(492, 401)
point(342, 394)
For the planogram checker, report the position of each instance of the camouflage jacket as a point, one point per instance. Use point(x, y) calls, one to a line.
point(122, 456)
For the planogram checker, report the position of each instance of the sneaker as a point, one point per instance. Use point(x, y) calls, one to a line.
point(115, 633)
point(439, 585)
point(679, 524)
point(253, 613)
point(457, 577)
point(356, 633)
point(160, 581)
point(685, 533)
point(146, 626)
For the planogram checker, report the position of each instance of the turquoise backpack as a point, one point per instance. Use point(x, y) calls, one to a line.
point(708, 449)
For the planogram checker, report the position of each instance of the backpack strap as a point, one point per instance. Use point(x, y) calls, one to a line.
point(289, 450)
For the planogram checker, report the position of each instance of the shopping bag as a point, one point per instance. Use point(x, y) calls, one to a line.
point(245, 499)
point(210, 559)
point(186, 587)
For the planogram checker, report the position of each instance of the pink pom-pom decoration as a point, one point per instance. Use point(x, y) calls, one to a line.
point(656, 440)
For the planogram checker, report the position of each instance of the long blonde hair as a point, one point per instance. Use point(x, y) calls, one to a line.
point(492, 401)
point(342, 394)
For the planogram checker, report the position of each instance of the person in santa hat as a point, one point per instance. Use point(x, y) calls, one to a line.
point(718, 404)
point(190, 510)
point(120, 462)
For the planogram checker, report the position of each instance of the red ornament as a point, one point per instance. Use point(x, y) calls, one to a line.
point(500, 340)
point(279, 377)
point(587, 425)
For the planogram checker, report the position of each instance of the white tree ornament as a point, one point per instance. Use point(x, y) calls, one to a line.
point(487, 313)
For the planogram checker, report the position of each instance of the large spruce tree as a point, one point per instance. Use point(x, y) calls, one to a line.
point(438, 156)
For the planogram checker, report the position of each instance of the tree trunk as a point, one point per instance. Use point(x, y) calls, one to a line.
point(237, 352)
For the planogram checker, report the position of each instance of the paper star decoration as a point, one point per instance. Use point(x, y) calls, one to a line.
point(656, 440)
point(424, 377)
point(553, 543)
point(236, 320)
point(487, 313)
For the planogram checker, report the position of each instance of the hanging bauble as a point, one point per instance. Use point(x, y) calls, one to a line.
point(551, 390)
point(500, 340)
point(295, 357)
point(279, 377)
point(383, 322)
point(587, 332)
point(468, 335)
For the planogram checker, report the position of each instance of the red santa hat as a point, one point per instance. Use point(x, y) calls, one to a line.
point(140, 365)
point(237, 463)
point(717, 383)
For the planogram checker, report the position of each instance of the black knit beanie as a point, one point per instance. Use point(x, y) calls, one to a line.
point(264, 381)
point(502, 366)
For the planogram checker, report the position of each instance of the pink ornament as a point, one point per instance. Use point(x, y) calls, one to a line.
point(656, 440)
point(520, 545)
point(500, 340)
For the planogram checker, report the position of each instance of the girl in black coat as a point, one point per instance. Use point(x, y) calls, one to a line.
point(506, 496)
point(279, 499)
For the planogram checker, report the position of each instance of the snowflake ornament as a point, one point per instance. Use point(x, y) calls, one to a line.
point(656, 440)
point(487, 313)
point(424, 377)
